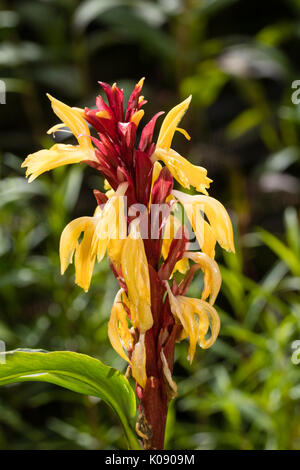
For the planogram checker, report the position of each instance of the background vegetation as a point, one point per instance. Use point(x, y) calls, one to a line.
point(238, 58)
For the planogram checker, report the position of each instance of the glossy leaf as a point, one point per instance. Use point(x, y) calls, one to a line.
point(76, 372)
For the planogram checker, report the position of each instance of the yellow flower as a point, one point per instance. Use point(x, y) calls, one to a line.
point(196, 317)
point(118, 330)
point(183, 171)
point(219, 227)
point(136, 275)
point(100, 233)
point(212, 275)
point(84, 259)
point(110, 232)
point(62, 154)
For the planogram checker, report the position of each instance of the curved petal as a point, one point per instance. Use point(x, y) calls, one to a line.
point(58, 155)
point(111, 228)
point(203, 308)
point(84, 260)
point(212, 275)
point(73, 118)
point(195, 316)
point(170, 123)
point(136, 275)
point(216, 213)
point(184, 171)
point(118, 328)
point(138, 362)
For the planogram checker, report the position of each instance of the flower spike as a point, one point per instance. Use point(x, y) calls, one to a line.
point(135, 223)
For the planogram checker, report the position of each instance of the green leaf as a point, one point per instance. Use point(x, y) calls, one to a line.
point(76, 372)
point(281, 250)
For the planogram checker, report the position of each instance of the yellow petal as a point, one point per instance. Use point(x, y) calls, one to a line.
point(111, 229)
point(195, 316)
point(137, 116)
point(216, 213)
point(84, 260)
point(212, 275)
point(203, 309)
point(138, 362)
point(114, 251)
point(118, 328)
point(193, 324)
point(58, 155)
point(170, 124)
point(184, 171)
point(209, 242)
point(141, 82)
point(103, 114)
point(157, 167)
point(136, 275)
point(107, 186)
point(73, 119)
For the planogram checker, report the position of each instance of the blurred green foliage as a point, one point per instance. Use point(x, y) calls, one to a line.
point(238, 58)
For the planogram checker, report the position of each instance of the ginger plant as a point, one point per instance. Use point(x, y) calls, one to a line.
point(136, 223)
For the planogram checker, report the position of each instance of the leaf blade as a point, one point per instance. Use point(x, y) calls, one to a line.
point(76, 372)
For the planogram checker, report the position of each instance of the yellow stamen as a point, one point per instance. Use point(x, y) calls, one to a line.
point(184, 132)
point(55, 128)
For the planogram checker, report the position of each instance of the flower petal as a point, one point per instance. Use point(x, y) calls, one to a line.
point(84, 260)
point(138, 362)
point(58, 155)
point(118, 328)
point(170, 123)
point(212, 275)
point(73, 118)
point(216, 213)
point(136, 275)
point(184, 171)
